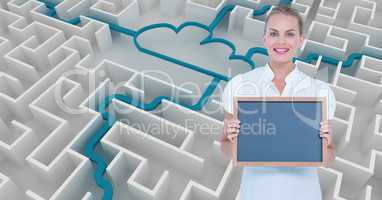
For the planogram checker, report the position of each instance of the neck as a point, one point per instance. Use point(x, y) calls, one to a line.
point(281, 70)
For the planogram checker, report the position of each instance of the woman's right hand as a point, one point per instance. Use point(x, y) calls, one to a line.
point(232, 131)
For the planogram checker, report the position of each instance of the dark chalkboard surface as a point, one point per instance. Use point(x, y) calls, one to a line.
point(280, 131)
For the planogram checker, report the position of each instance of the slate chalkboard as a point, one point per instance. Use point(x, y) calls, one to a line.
point(280, 131)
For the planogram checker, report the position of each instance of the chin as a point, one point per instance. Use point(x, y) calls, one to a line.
point(282, 58)
point(278, 59)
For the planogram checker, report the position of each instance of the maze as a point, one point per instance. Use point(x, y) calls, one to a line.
point(105, 99)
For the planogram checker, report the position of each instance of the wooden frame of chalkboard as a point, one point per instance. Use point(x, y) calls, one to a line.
point(321, 100)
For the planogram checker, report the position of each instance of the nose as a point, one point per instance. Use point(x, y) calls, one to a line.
point(281, 40)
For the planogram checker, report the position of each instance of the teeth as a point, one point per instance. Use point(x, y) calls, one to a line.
point(281, 50)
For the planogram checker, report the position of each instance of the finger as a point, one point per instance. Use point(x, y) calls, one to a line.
point(233, 124)
point(325, 125)
point(325, 134)
point(236, 123)
point(325, 128)
point(233, 130)
point(231, 138)
point(324, 131)
point(231, 135)
point(329, 140)
point(326, 140)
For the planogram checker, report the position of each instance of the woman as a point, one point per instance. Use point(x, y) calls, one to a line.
point(279, 77)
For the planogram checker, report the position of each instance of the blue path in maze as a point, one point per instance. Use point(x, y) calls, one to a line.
point(109, 120)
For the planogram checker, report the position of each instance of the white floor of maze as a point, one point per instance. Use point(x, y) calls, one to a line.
point(46, 63)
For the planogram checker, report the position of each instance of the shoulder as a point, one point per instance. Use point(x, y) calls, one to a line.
point(321, 85)
point(314, 82)
point(253, 75)
point(321, 88)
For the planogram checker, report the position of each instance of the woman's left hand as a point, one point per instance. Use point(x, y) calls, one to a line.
point(326, 132)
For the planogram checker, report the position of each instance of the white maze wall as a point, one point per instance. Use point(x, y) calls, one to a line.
point(46, 63)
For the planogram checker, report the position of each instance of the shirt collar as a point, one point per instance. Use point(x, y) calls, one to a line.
point(269, 75)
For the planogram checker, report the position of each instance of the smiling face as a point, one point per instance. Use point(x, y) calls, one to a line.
point(282, 38)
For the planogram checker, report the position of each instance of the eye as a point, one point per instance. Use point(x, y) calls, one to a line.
point(273, 34)
point(290, 34)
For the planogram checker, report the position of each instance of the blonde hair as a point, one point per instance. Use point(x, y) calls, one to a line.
point(286, 10)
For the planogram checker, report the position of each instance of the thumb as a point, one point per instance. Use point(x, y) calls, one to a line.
point(229, 138)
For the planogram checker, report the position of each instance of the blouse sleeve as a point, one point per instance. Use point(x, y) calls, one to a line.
point(327, 92)
point(227, 95)
point(331, 103)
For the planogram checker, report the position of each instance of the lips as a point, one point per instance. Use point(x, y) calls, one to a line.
point(280, 50)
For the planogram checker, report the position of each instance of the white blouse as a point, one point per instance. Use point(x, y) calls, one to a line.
point(275, 183)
